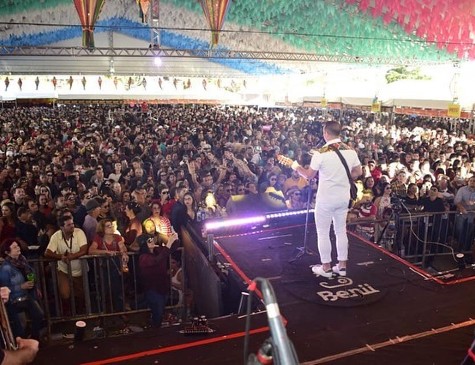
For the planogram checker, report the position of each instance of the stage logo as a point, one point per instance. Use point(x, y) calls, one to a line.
point(344, 289)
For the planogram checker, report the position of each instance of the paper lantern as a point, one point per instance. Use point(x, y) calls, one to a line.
point(215, 12)
point(88, 11)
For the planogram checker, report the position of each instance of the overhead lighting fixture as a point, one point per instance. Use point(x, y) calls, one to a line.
point(157, 61)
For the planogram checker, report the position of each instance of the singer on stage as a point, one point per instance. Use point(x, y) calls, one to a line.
point(333, 196)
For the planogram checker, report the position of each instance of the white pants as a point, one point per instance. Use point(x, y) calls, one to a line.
point(325, 213)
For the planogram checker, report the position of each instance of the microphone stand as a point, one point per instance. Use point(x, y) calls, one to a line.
point(304, 250)
point(278, 350)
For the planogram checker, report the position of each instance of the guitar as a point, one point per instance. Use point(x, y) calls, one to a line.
point(285, 161)
point(7, 338)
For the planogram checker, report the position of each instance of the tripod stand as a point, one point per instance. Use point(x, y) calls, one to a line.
point(304, 250)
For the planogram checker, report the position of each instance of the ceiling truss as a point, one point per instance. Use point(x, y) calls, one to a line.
point(10, 51)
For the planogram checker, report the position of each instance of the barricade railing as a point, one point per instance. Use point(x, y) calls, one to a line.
point(419, 237)
point(103, 290)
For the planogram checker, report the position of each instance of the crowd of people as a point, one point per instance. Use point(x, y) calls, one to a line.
point(108, 180)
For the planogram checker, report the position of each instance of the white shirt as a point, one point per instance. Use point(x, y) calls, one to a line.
point(333, 183)
point(59, 245)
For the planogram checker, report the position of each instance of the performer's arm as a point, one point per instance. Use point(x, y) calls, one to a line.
point(356, 172)
point(308, 173)
point(26, 353)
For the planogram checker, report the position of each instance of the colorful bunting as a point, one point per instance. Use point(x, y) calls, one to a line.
point(434, 20)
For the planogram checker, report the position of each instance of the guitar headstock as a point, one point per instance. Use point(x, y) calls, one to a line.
point(285, 161)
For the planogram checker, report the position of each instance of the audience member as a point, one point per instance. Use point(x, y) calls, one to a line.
point(17, 274)
point(153, 275)
point(67, 245)
point(107, 242)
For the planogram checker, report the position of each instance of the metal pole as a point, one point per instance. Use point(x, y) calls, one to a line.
point(210, 241)
point(426, 229)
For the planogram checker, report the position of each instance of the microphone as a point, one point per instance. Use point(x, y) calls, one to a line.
point(321, 142)
point(284, 350)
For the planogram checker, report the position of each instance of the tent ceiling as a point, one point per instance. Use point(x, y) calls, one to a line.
point(350, 31)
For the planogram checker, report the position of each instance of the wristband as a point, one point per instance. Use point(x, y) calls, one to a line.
point(294, 165)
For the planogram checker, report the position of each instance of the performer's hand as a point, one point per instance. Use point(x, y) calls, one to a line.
point(5, 293)
point(30, 347)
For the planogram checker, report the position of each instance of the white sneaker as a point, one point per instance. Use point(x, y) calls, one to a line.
point(318, 270)
point(336, 269)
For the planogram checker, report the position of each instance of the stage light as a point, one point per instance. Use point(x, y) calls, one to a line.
point(210, 226)
point(157, 61)
point(286, 214)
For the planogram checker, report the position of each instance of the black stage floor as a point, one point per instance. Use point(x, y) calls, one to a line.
point(384, 312)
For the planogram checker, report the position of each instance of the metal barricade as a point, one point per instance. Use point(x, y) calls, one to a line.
point(105, 290)
point(420, 236)
point(423, 236)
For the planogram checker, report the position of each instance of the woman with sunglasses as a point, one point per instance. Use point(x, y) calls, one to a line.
point(166, 201)
point(294, 199)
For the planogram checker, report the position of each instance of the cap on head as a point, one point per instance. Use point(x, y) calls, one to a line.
point(92, 204)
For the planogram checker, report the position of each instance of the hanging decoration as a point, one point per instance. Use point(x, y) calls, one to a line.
point(454, 110)
point(88, 11)
point(375, 105)
point(324, 102)
point(215, 12)
point(144, 7)
point(445, 24)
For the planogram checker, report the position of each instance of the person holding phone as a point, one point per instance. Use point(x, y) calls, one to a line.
point(20, 278)
point(153, 274)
